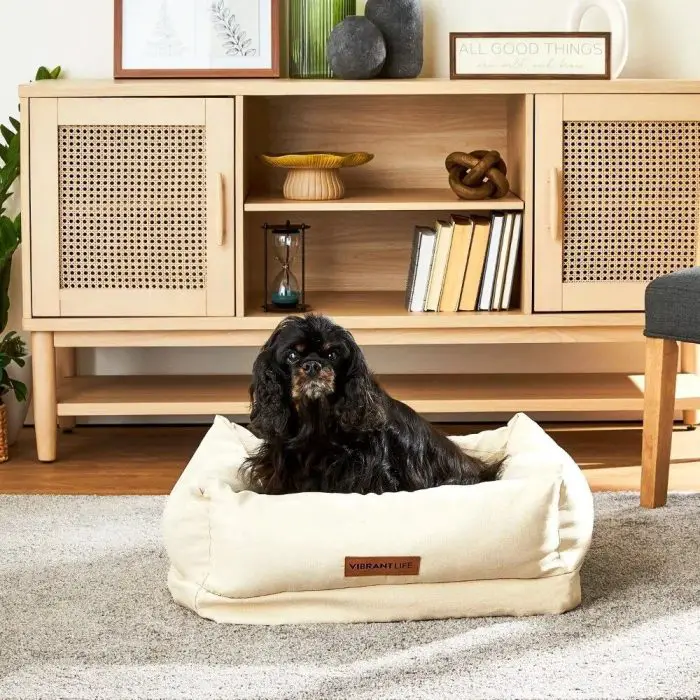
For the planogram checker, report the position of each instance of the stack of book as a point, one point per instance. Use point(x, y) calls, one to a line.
point(466, 264)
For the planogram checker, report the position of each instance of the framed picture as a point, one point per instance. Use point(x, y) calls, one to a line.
point(543, 55)
point(196, 39)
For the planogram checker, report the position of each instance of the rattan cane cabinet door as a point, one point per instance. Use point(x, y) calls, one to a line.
point(618, 188)
point(132, 207)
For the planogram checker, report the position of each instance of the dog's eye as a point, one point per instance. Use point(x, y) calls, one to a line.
point(332, 355)
point(292, 356)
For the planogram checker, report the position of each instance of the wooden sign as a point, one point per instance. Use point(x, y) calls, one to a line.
point(513, 55)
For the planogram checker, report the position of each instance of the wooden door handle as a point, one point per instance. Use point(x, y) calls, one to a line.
point(221, 202)
point(555, 212)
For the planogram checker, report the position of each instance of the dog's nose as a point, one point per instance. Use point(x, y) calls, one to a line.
point(311, 367)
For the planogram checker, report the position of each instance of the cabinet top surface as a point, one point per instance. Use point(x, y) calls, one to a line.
point(284, 86)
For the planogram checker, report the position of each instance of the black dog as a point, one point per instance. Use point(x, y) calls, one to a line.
point(327, 425)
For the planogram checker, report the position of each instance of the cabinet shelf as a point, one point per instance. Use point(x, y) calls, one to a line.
point(406, 199)
point(441, 393)
point(388, 307)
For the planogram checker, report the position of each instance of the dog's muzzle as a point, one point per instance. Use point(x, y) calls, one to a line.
point(312, 380)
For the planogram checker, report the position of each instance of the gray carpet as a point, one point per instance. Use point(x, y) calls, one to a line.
point(84, 613)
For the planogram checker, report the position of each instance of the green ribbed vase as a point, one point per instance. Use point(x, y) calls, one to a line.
point(310, 25)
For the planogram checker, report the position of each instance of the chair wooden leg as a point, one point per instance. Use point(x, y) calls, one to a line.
point(659, 400)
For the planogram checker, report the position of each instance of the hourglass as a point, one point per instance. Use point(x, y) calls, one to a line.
point(284, 253)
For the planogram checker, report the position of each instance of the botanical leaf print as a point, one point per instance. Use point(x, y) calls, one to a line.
point(234, 39)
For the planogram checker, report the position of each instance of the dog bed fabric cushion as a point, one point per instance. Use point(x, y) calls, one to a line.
point(510, 547)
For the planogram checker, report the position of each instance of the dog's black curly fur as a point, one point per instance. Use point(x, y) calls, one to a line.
point(327, 425)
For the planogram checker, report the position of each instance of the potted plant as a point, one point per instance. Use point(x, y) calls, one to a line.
point(13, 350)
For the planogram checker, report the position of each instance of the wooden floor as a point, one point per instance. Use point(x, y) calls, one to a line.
point(148, 460)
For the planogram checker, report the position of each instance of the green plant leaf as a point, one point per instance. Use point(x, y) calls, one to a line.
point(8, 245)
point(45, 74)
point(15, 124)
point(9, 239)
point(13, 346)
point(20, 389)
point(16, 345)
point(7, 134)
point(12, 167)
point(10, 171)
point(6, 341)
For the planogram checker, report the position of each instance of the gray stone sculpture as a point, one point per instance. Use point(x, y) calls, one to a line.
point(356, 49)
point(401, 23)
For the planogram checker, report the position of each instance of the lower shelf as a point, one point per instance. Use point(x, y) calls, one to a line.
point(443, 394)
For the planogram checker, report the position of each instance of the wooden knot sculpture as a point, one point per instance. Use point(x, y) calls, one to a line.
point(477, 175)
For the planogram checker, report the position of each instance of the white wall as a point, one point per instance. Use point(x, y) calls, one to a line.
point(77, 34)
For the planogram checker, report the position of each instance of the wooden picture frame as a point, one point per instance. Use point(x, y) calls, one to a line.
point(532, 44)
point(221, 37)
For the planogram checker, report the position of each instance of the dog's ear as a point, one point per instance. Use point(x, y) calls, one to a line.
point(361, 405)
point(270, 404)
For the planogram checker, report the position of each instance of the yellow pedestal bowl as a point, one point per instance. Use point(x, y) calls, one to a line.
point(314, 176)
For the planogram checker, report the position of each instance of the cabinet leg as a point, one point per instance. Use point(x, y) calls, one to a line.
point(44, 389)
point(689, 363)
point(690, 417)
point(66, 367)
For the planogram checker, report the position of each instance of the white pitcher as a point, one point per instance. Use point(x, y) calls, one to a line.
point(616, 13)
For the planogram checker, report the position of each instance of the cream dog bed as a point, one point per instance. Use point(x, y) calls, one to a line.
point(511, 547)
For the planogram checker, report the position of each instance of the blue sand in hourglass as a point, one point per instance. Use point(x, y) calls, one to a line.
point(287, 298)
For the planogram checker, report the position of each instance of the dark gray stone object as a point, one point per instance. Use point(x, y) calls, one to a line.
point(401, 23)
point(356, 49)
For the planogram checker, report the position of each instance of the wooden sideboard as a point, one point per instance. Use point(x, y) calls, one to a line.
point(143, 203)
